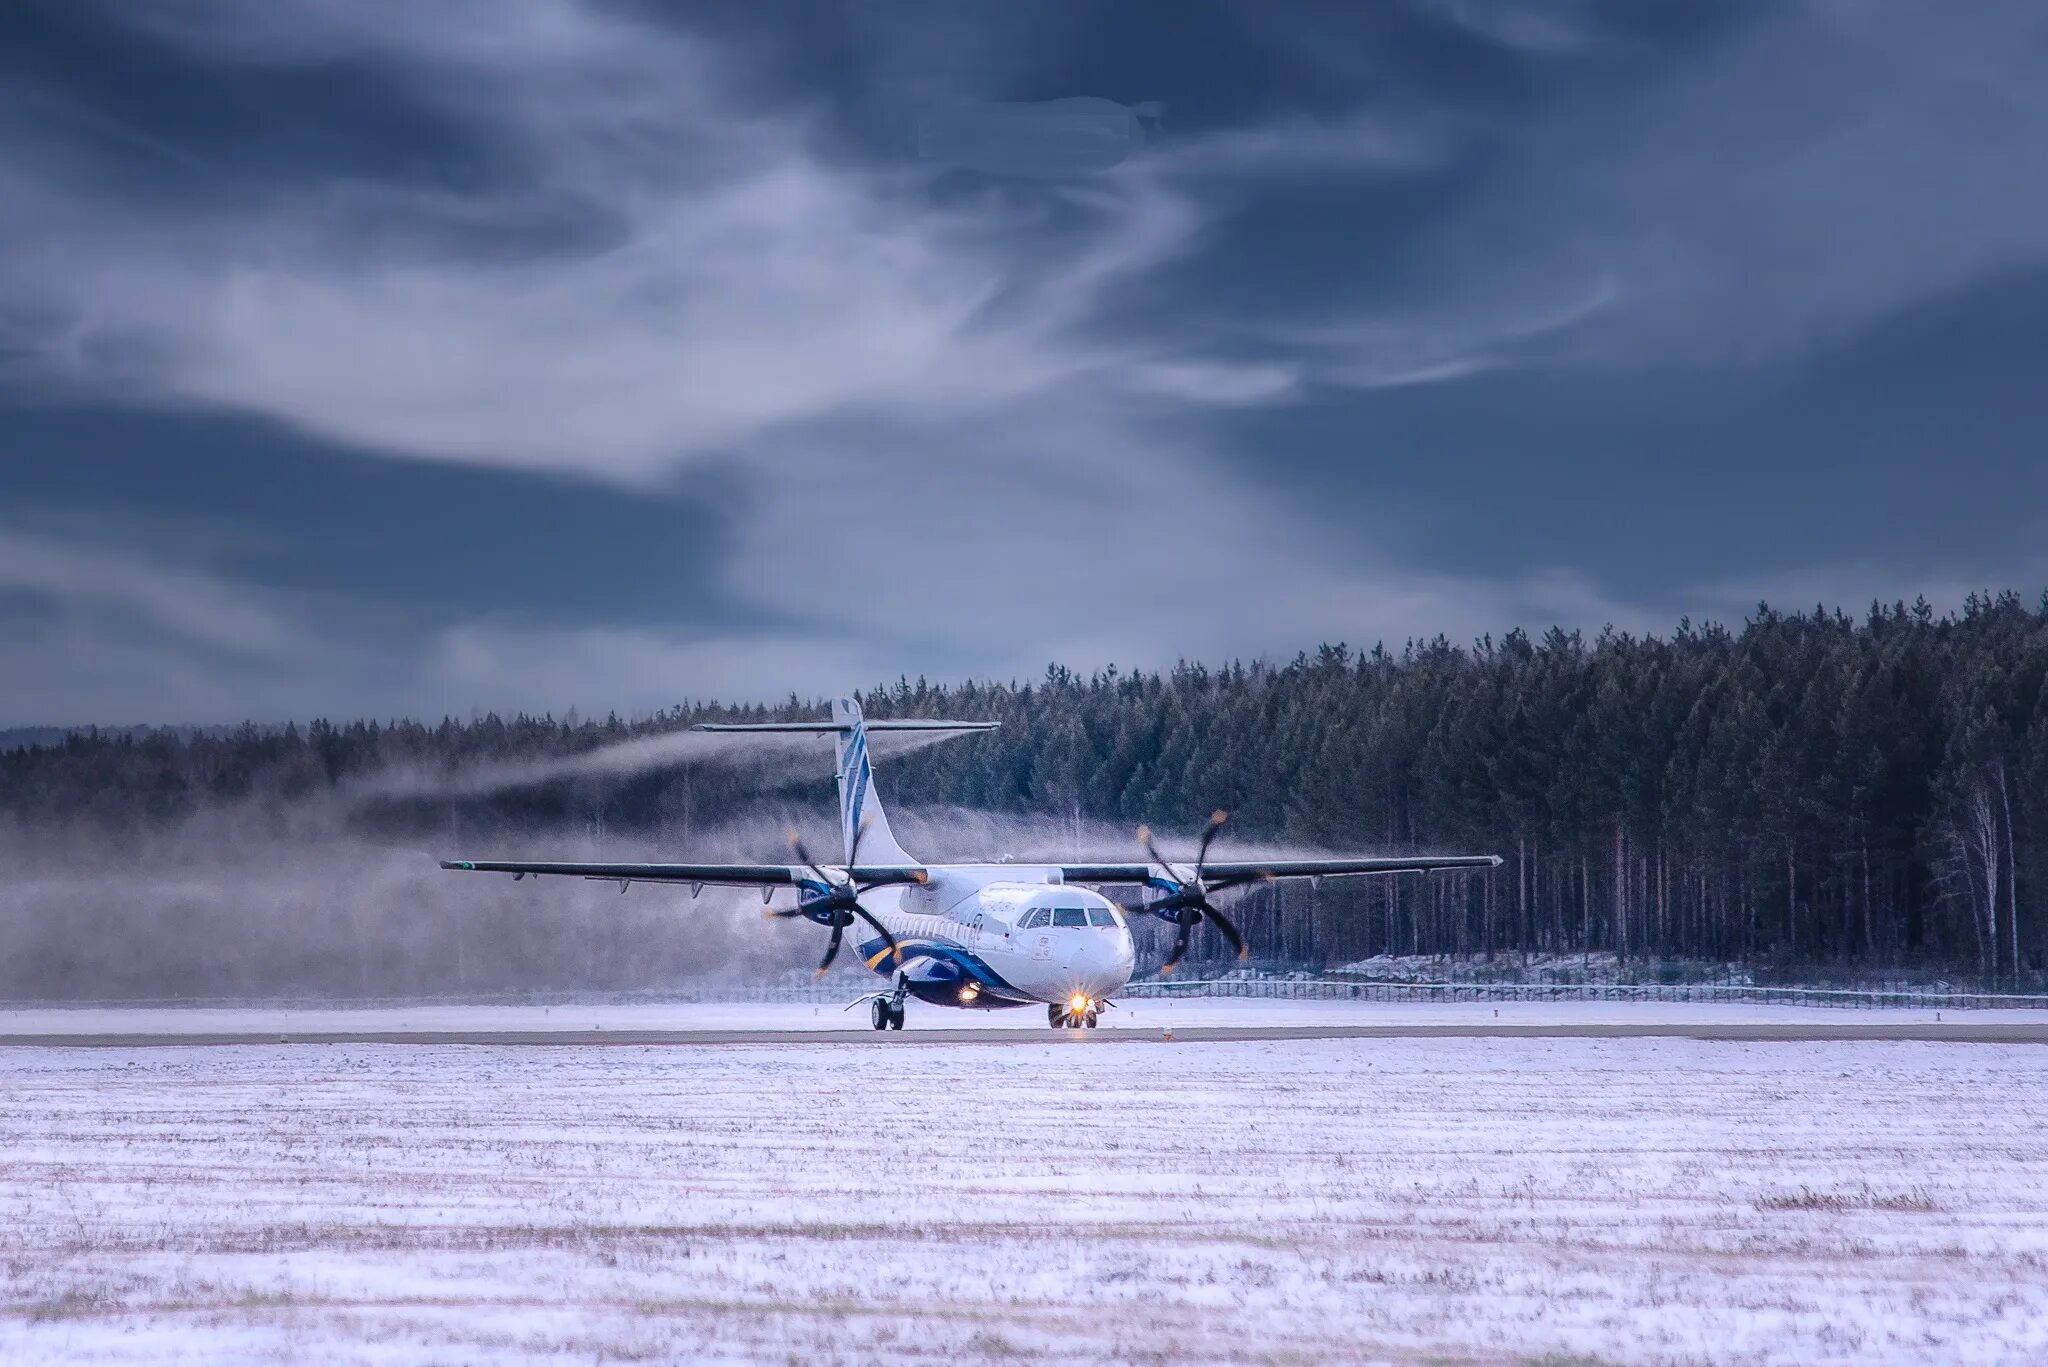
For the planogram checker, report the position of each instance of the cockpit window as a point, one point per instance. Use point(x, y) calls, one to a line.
point(1035, 918)
point(1101, 916)
point(1069, 916)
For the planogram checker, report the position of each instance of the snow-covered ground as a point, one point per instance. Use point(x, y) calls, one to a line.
point(1457, 1200)
point(1139, 1013)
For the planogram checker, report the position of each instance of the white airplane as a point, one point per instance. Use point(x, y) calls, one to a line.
point(976, 935)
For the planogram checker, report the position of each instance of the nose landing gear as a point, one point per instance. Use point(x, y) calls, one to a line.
point(1059, 1014)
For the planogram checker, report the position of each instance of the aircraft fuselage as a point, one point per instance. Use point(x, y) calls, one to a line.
point(999, 935)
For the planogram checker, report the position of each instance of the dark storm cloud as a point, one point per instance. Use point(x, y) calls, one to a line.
point(574, 351)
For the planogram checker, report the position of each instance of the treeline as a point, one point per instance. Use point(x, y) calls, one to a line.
point(1813, 791)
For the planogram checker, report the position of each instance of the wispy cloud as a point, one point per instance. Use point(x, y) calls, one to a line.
point(910, 367)
point(180, 603)
point(1546, 27)
point(967, 422)
point(99, 632)
point(1801, 177)
point(713, 276)
point(103, 634)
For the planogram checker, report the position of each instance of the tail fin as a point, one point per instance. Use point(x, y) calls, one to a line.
point(858, 800)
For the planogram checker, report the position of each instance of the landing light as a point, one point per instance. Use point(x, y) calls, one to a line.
point(970, 992)
point(1077, 1003)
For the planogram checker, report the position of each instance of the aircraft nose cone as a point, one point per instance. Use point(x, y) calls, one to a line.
point(1103, 964)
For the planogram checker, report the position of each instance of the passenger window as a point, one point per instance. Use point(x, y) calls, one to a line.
point(1100, 916)
point(1069, 916)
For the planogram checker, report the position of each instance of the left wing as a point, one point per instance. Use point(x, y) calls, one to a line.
point(1229, 873)
point(703, 875)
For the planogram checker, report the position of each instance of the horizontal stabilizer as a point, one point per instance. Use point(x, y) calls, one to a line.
point(826, 728)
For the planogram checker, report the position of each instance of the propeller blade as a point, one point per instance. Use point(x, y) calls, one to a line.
point(881, 929)
point(1180, 949)
point(803, 856)
point(1223, 923)
point(832, 949)
point(1145, 839)
point(1216, 820)
point(1188, 904)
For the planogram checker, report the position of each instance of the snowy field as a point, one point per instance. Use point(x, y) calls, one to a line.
point(1479, 1201)
point(1143, 1014)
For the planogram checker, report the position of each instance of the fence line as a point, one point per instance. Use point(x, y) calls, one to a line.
point(1325, 989)
point(1333, 989)
point(1270, 989)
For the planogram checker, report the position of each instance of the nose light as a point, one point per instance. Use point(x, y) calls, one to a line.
point(1077, 1003)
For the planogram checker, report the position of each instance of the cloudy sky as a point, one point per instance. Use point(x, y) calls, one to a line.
point(406, 358)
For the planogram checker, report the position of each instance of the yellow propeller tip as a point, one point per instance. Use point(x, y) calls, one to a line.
point(1144, 832)
point(795, 840)
point(1218, 817)
point(1166, 970)
point(1244, 954)
point(819, 973)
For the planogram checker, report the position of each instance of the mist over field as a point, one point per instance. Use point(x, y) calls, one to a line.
point(315, 895)
point(220, 907)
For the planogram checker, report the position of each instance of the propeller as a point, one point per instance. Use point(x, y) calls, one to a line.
point(840, 903)
point(1186, 904)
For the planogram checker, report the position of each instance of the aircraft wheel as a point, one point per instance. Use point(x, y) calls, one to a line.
point(1093, 1020)
point(878, 1012)
point(1055, 1016)
point(896, 1016)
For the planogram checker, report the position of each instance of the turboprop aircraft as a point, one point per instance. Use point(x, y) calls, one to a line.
point(981, 936)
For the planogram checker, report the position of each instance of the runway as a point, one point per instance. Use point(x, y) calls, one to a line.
point(1948, 1032)
point(1193, 1020)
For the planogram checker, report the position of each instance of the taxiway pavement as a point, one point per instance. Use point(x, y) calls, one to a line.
point(1946, 1032)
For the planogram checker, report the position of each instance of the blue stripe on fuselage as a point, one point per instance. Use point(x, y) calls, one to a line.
point(972, 965)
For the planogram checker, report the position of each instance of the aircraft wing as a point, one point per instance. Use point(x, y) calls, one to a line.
point(1227, 873)
point(702, 875)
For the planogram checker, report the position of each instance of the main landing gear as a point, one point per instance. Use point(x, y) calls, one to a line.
point(885, 1011)
point(1060, 1014)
